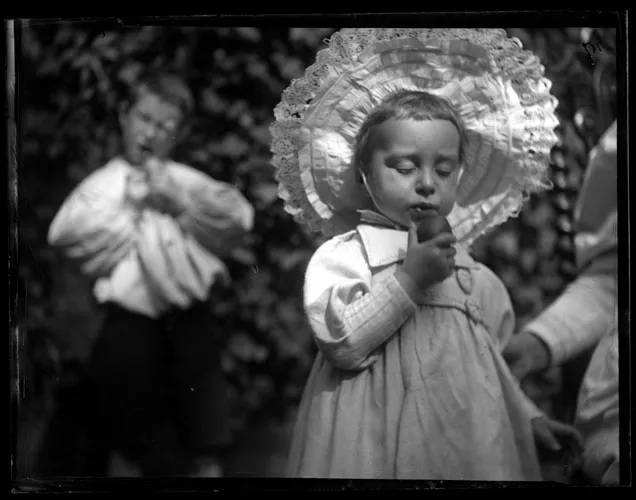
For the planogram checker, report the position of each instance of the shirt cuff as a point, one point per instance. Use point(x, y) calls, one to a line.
point(544, 332)
point(408, 287)
point(399, 296)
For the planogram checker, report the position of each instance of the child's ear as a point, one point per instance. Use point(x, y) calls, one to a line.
point(362, 176)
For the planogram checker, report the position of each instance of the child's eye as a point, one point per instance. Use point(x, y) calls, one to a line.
point(445, 169)
point(144, 117)
point(169, 126)
point(405, 171)
point(403, 166)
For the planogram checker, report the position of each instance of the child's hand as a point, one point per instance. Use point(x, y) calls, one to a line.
point(431, 261)
point(556, 437)
point(165, 194)
point(137, 190)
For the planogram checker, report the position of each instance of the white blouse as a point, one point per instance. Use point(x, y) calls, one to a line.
point(142, 259)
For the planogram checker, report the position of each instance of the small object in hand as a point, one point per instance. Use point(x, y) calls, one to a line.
point(431, 225)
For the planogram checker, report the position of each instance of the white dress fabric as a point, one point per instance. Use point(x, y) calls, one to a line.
point(405, 390)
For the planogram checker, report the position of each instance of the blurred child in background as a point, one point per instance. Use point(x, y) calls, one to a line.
point(151, 233)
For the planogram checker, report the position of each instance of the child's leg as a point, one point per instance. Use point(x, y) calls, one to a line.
point(124, 370)
point(199, 388)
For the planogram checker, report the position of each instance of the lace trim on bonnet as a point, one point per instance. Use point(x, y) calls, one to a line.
point(530, 147)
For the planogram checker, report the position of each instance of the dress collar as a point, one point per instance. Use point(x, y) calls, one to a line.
point(385, 242)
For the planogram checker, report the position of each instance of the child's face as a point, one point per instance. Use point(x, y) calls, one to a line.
point(414, 168)
point(150, 128)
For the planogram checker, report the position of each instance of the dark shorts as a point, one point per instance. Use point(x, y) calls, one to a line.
point(158, 385)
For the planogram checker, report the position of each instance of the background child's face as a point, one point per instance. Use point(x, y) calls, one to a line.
point(414, 167)
point(150, 128)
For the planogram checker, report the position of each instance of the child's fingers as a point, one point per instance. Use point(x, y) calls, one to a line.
point(444, 240)
point(450, 252)
point(155, 170)
point(412, 239)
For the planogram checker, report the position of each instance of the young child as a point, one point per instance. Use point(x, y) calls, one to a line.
point(150, 232)
point(409, 381)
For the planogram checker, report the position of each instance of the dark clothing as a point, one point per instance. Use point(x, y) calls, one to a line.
point(159, 387)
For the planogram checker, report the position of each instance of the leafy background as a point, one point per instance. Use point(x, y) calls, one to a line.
point(71, 77)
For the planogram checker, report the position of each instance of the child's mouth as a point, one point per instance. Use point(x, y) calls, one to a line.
point(144, 149)
point(420, 211)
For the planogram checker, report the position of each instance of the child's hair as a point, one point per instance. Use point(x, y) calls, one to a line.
point(168, 85)
point(403, 105)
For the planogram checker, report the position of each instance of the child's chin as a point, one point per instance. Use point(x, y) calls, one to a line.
point(132, 157)
point(137, 157)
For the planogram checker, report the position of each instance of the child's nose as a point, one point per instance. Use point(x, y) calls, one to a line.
point(150, 131)
point(425, 184)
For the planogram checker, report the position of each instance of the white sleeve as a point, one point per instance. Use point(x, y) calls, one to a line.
point(350, 318)
point(579, 317)
point(217, 213)
point(95, 226)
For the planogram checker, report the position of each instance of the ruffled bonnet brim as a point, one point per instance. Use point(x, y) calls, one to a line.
point(498, 89)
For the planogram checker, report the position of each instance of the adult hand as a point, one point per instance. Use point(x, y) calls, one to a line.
point(554, 438)
point(526, 354)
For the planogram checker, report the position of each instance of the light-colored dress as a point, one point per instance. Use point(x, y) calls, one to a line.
point(408, 390)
